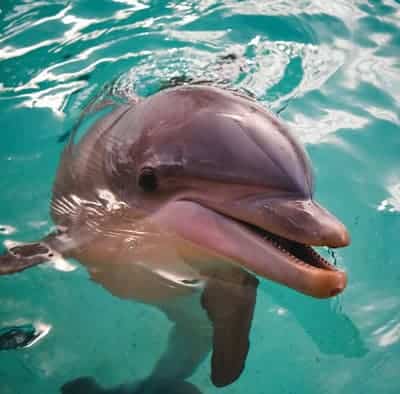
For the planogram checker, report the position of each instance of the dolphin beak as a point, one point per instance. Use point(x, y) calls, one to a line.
point(303, 221)
point(265, 249)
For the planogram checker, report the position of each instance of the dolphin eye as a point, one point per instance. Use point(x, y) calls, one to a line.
point(148, 179)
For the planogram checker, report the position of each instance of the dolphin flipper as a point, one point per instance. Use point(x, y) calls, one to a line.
point(230, 306)
point(21, 257)
point(26, 255)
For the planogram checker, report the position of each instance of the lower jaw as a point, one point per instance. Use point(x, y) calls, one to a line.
point(315, 276)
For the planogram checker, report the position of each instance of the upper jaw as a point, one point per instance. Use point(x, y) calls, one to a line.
point(300, 220)
point(305, 221)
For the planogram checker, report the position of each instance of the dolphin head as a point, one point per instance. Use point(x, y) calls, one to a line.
point(221, 172)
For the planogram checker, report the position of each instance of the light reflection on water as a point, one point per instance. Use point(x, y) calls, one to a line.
point(391, 204)
point(332, 70)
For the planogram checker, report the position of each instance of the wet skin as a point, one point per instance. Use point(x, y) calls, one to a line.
point(191, 192)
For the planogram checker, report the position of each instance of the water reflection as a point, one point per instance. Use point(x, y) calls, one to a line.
point(265, 64)
point(317, 129)
point(388, 334)
point(391, 204)
point(6, 229)
point(22, 336)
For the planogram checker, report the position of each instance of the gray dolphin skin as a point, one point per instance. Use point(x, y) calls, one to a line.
point(178, 201)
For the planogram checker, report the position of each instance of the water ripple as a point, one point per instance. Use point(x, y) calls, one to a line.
point(392, 203)
point(331, 70)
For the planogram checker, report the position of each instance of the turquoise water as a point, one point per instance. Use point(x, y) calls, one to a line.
point(332, 71)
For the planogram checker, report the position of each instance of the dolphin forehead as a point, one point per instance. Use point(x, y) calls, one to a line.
point(247, 148)
point(213, 134)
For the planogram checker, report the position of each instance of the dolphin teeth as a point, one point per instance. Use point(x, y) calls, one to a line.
point(300, 253)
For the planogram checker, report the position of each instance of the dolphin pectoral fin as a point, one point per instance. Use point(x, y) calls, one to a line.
point(230, 307)
point(21, 257)
point(26, 255)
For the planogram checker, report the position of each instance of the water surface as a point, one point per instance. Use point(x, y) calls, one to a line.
point(331, 70)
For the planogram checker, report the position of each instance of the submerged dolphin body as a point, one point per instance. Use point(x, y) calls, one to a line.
point(184, 196)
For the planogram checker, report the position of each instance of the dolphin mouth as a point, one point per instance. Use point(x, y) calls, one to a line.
point(288, 262)
point(300, 267)
point(297, 252)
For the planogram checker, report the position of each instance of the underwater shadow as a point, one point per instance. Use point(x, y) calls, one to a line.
point(329, 328)
point(86, 385)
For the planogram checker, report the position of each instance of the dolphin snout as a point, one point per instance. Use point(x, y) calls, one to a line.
point(330, 231)
point(335, 235)
point(305, 221)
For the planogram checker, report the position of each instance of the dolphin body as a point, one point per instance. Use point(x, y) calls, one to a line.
point(180, 199)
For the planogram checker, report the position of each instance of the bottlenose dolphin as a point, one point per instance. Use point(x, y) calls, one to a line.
point(182, 198)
